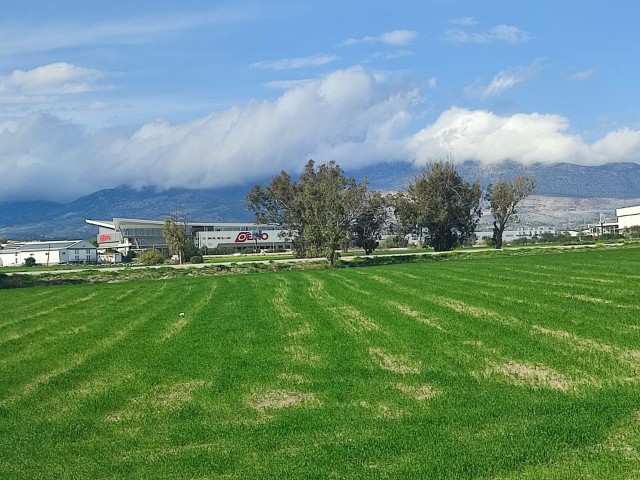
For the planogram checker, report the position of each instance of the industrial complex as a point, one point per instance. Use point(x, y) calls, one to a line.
point(125, 234)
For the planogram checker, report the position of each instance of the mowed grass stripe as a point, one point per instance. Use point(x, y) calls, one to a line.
point(559, 309)
point(45, 318)
point(406, 366)
point(609, 364)
point(466, 302)
point(44, 339)
point(74, 330)
point(52, 317)
point(20, 311)
point(226, 396)
point(77, 355)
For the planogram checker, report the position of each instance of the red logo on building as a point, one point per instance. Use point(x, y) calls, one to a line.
point(104, 237)
point(247, 237)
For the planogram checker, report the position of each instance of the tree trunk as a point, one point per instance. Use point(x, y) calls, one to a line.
point(498, 230)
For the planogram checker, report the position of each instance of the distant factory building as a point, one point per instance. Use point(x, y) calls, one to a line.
point(521, 232)
point(626, 217)
point(124, 234)
point(50, 253)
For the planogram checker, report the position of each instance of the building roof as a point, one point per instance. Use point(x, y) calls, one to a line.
point(621, 212)
point(49, 246)
point(123, 221)
point(101, 223)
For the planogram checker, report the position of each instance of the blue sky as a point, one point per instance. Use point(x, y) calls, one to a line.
point(209, 94)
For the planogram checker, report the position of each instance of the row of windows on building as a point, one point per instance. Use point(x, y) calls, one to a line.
point(157, 232)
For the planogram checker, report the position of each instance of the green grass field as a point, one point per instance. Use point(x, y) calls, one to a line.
point(518, 366)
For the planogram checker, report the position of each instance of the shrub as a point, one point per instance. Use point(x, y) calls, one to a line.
point(29, 262)
point(151, 257)
point(222, 251)
point(395, 241)
point(196, 259)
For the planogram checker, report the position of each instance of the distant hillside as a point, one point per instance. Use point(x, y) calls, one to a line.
point(38, 220)
point(614, 180)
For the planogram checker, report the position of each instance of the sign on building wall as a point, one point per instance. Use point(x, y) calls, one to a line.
point(248, 237)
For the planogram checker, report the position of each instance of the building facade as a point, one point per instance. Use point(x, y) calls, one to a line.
point(628, 217)
point(50, 253)
point(520, 232)
point(125, 234)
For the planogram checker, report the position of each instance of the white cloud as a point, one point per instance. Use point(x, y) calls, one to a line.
point(291, 63)
point(581, 76)
point(464, 21)
point(351, 116)
point(398, 38)
point(347, 115)
point(17, 39)
point(432, 82)
point(391, 55)
point(505, 80)
point(53, 79)
point(499, 33)
point(286, 84)
point(484, 136)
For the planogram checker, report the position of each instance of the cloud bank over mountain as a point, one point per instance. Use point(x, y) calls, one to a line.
point(354, 116)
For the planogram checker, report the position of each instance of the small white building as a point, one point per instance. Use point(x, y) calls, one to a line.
point(50, 253)
point(628, 217)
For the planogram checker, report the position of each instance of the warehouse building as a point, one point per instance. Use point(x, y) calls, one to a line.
point(50, 253)
point(521, 232)
point(628, 217)
point(124, 234)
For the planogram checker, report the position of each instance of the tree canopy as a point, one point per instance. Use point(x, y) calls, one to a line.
point(175, 234)
point(368, 224)
point(442, 204)
point(317, 210)
point(503, 198)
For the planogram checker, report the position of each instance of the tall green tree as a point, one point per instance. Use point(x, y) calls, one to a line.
point(175, 234)
point(368, 224)
point(317, 210)
point(503, 198)
point(441, 203)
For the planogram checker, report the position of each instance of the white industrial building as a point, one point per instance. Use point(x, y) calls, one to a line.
point(626, 217)
point(50, 253)
point(124, 234)
point(520, 232)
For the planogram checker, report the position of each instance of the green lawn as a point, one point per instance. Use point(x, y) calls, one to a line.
point(515, 366)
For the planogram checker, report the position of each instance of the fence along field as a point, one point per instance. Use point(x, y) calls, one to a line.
point(499, 367)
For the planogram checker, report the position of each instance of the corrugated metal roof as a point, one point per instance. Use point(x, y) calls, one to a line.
point(39, 246)
point(42, 246)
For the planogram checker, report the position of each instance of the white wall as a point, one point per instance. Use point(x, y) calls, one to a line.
point(80, 253)
point(9, 258)
point(87, 253)
point(239, 238)
point(628, 217)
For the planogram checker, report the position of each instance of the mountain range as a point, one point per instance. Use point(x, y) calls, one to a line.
point(615, 182)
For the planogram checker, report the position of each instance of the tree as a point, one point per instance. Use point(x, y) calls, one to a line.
point(368, 224)
point(439, 202)
point(151, 257)
point(190, 250)
point(316, 211)
point(175, 234)
point(29, 262)
point(503, 198)
point(632, 232)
